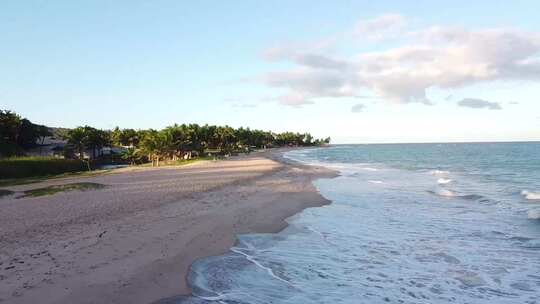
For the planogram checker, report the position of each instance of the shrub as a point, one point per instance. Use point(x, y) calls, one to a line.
point(9, 149)
point(18, 167)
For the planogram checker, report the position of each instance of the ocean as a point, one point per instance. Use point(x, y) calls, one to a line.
point(408, 223)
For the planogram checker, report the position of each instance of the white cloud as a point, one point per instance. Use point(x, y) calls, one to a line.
point(357, 108)
point(479, 104)
point(442, 57)
point(287, 51)
point(308, 83)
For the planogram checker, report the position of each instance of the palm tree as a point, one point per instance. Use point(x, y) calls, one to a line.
point(226, 139)
point(77, 138)
point(156, 145)
point(95, 139)
point(131, 155)
point(125, 137)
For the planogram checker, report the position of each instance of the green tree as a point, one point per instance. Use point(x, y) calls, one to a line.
point(83, 138)
point(77, 138)
point(9, 126)
point(131, 155)
point(308, 139)
point(9, 133)
point(95, 139)
point(28, 134)
point(156, 145)
point(225, 138)
point(125, 137)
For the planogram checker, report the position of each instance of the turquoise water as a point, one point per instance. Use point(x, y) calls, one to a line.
point(410, 223)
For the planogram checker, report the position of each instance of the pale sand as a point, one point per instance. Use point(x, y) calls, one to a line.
point(133, 242)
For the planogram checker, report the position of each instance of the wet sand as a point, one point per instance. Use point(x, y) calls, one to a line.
point(134, 240)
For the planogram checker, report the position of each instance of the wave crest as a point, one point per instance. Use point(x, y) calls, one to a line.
point(444, 181)
point(439, 172)
point(530, 195)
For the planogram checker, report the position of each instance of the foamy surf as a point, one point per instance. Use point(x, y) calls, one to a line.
point(443, 181)
point(530, 195)
point(256, 263)
point(439, 172)
point(375, 181)
point(370, 169)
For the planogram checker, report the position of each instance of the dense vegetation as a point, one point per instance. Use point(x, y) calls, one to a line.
point(173, 143)
point(182, 141)
point(18, 134)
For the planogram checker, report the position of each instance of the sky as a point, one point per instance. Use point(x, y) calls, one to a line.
point(357, 71)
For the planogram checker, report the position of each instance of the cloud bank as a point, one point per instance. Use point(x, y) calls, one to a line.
point(441, 57)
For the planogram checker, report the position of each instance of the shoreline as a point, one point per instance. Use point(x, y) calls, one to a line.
point(141, 252)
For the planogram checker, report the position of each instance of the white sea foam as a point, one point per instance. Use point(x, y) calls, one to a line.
point(439, 172)
point(444, 180)
point(370, 169)
point(530, 195)
point(268, 270)
point(376, 182)
point(534, 214)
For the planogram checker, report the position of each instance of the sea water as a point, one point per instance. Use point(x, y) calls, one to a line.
point(408, 223)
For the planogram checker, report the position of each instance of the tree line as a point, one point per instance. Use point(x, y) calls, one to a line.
point(174, 142)
point(183, 141)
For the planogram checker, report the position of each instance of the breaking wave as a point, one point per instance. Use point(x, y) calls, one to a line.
point(530, 195)
point(444, 181)
point(450, 193)
point(439, 172)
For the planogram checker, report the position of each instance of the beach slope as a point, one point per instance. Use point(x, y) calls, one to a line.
point(134, 240)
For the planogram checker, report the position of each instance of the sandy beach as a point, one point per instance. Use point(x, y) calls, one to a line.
point(134, 240)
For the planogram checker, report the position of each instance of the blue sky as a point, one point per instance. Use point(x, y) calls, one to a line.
point(413, 71)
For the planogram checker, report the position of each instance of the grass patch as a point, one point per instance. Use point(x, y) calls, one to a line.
point(61, 188)
point(6, 182)
point(37, 179)
point(4, 192)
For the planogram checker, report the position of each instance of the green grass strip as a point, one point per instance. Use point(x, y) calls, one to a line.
point(50, 190)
